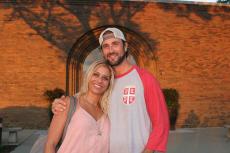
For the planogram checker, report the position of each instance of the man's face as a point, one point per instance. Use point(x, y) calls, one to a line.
point(113, 51)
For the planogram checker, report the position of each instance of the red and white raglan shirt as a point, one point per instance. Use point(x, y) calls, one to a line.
point(138, 114)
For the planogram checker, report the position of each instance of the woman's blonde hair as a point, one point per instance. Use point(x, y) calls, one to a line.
point(104, 101)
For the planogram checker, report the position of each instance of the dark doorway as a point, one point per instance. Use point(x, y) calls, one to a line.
point(86, 50)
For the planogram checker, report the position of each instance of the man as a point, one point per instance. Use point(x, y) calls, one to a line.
point(137, 111)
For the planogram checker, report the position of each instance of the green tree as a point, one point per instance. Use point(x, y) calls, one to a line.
point(224, 1)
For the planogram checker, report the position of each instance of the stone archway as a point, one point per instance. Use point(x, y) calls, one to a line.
point(139, 49)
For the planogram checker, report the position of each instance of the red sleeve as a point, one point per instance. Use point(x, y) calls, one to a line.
point(157, 111)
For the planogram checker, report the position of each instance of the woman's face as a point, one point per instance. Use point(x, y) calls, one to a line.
point(99, 81)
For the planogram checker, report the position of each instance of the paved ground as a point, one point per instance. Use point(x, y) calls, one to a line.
point(202, 140)
point(26, 139)
point(199, 140)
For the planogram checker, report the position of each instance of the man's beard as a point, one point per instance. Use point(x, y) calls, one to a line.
point(119, 61)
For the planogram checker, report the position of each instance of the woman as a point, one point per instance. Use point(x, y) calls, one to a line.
point(88, 130)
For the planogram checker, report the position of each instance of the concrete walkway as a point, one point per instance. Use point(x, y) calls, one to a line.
point(197, 140)
point(26, 139)
point(26, 146)
point(22, 136)
point(200, 140)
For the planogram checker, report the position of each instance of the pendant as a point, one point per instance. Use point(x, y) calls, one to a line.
point(99, 132)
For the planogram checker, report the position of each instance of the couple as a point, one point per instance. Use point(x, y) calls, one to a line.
point(137, 120)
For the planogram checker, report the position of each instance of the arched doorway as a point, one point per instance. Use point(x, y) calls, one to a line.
point(86, 50)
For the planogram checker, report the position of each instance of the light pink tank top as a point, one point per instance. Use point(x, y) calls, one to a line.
point(85, 134)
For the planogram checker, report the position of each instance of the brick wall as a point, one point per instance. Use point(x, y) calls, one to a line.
point(29, 66)
point(191, 43)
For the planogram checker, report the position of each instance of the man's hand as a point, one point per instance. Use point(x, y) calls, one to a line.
point(150, 151)
point(147, 151)
point(59, 105)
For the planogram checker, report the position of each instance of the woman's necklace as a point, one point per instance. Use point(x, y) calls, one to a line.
point(95, 106)
point(89, 102)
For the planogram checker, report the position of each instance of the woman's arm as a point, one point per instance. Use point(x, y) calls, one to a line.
point(56, 129)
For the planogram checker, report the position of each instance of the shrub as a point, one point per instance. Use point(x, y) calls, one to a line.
point(192, 121)
point(172, 101)
point(51, 95)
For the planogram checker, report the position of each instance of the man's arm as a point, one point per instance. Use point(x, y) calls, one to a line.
point(158, 114)
point(157, 111)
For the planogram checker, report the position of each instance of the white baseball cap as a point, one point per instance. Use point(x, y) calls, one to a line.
point(116, 34)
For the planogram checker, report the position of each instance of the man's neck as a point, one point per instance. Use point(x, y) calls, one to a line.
point(122, 68)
